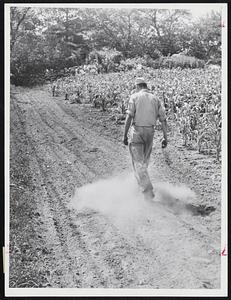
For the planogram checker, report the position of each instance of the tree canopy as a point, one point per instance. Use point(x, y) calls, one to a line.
point(55, 38)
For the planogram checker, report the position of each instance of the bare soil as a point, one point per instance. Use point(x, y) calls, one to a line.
point(55, 147)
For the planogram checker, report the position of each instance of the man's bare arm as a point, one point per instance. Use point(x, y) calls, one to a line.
point(126, 128)
point(164, 128)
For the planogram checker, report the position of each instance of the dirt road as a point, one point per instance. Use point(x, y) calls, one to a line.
point(57, 147)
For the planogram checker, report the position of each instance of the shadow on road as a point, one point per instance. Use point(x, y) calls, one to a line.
point(200, 210)
point(179, 199)
point(178, 207)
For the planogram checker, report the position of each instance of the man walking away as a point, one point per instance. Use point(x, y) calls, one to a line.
point(143, 111)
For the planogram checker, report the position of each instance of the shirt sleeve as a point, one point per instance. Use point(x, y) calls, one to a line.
point(131, 107)
point(161, 112)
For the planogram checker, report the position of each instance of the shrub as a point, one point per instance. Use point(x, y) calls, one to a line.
point(28, 73)
point(132, 63)
point(214, 61)
point(178, 61)
point(106, 59)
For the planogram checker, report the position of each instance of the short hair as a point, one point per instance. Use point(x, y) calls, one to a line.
point(142, 85)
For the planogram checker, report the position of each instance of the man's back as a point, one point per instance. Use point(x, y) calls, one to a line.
point(145, 108)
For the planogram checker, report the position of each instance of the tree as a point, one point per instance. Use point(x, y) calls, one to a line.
point(17, 17)
point(64, 36)
point(27, 53)
point(45, 38)
point(112, 28)
point(205, 41)
point(163, 28)
point(58, 38)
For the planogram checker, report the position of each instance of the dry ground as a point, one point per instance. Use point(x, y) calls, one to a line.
point(55, 147)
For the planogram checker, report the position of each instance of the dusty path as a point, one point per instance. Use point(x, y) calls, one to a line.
point(56, 147)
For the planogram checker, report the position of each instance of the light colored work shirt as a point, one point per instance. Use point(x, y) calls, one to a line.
point(145, 108)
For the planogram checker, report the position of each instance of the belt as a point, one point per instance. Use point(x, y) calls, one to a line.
point(150, 126)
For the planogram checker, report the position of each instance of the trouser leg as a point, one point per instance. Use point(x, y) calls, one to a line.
point(140, 166)
point(148, 145)
point(147, 153)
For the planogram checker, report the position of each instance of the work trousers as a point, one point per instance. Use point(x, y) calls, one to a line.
point(140, 147)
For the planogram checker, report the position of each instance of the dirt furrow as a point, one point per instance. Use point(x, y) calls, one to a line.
point(108, 245)
point(94, 151)
point(77, 256)
point(63, 221)
point(163, 246)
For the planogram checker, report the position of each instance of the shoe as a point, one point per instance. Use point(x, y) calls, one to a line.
point(149, 195)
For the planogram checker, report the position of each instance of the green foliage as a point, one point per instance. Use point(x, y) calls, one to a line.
point(106, 60)
point(28, 72)
point(59, 38)
point(44, 39)
point(205, 37)
point(192, 98)
point(165, 31)
point(132, 63)
point(181, 61)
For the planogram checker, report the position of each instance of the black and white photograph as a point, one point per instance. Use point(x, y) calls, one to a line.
point(115, 149)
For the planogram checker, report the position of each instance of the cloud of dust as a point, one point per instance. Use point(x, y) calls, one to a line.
point(121, 198)
point(174, 196)
point(167, 190)
point(117, 196)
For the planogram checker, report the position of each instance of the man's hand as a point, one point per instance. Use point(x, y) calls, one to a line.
point(125, 140)
point(165, 140)
point(164, 143)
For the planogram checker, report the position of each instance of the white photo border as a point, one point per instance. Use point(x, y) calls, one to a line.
point(65, 292)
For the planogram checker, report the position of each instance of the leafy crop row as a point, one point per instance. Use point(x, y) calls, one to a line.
point(192, 98)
